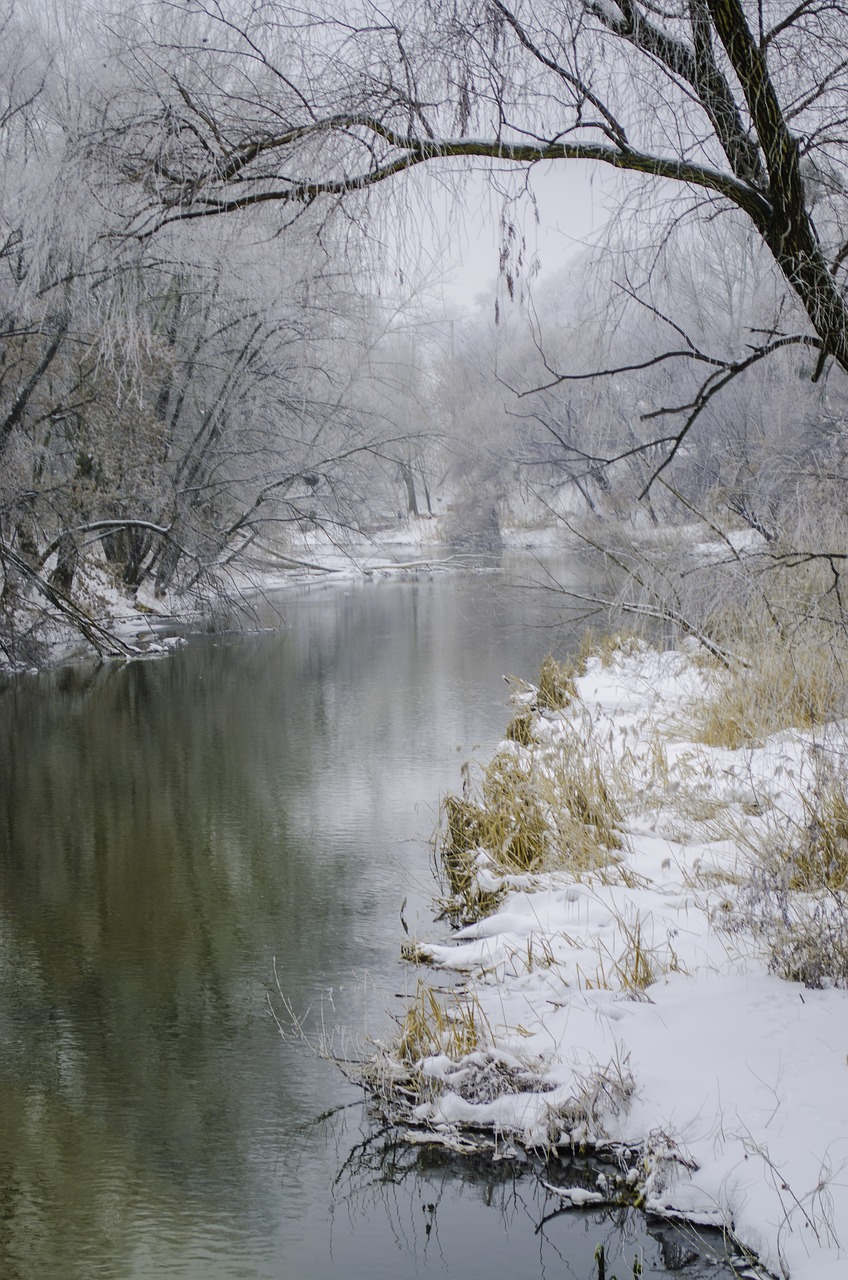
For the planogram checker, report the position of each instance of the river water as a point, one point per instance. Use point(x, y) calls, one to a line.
point(173, 834)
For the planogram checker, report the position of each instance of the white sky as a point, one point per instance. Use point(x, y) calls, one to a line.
point(461, 229)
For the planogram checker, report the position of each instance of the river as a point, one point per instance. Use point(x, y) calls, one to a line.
point(174, 833)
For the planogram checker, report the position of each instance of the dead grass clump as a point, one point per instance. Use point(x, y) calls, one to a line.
point(607, 646)
point(585, 815)
point(536, 812)
point(460, 847)
point(637, 968)
point(638, 965)
point(538, 808)
point(505, 834)
point(515, 819)
point(508, 826)
point(819, 859)
point(582, 788)
point(556, 688)
point(774, 684)
point(449, 1023)
point(445, 1044)
point(520, 728)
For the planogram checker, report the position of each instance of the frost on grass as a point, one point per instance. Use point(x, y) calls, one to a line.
point(795, 895)
point(652, 939)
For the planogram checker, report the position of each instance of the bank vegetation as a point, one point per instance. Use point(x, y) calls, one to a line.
point(648, 893)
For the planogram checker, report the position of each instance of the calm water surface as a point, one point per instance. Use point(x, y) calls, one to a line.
point(172, 832)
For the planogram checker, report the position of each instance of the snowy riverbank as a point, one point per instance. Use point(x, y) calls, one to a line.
point(102, 616)
point(632, 999)
point(115, 622)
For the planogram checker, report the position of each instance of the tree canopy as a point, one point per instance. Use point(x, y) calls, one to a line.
point(741, 104)
point(196, 354)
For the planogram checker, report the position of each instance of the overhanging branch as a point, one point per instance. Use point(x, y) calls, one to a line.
point(191, 202)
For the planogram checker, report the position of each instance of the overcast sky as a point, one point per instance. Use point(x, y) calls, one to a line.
point(462, 231)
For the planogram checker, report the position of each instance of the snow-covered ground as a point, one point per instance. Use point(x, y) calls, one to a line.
point(633, 1007)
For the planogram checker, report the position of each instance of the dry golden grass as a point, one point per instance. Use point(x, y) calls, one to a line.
point(556, 688)
point(537, 812)
point(520, 728)
point(463, 829)
point(607, 646)
point(513, 805)
point(819, 860)
point(538, 808)
point(636, 967)
point(773, 685)
point(508, 825)
point(439, 1022)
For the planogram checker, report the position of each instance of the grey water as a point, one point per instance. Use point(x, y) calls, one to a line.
point(195, 848)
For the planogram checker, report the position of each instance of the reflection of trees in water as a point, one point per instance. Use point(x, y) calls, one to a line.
point(158, 829)
point(144, 854)
point(167, 829)
point(381, 1163)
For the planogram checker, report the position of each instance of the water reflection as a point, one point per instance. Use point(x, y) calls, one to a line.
point(460, 1216)
point(168, 831)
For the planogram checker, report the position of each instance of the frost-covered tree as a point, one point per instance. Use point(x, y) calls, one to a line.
point(167, 405)
point(725, 106)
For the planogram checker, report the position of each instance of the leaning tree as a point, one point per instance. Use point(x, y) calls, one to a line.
point(741, 105)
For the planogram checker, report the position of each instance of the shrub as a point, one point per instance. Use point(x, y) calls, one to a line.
point(796, 897)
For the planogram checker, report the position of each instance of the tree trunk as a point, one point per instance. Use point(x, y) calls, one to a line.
point(409, 481)
point(67, 560)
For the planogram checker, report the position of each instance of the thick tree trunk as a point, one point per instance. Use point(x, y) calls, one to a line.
point(67, 560)
point(796, 253)
point(788, 229)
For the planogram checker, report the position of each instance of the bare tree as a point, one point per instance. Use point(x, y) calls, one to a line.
point(741, 104)
point(165, 407)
